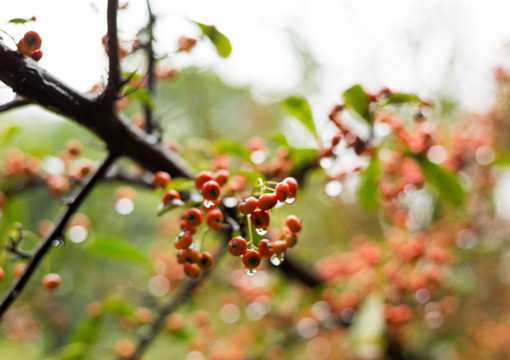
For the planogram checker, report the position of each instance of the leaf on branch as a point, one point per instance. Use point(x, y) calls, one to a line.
point(73, 351)
point(219, 40)
point(140, 94)
point(445, 182)
point(116, 248)
point(118, 306)
point(8, 133)
point(367, 191)
point(356, 98)
point(401, 98)
point(298, 107)
point(21, 20)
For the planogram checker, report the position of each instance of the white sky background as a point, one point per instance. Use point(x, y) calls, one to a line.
point(429, 47)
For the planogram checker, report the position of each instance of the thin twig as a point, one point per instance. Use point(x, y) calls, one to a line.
point(114, 74)
point(151, 79)
point(14, 104)
point(45, 245)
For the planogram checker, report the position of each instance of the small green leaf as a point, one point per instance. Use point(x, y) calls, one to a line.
point(182, 184)
point(367, 191)
point(21, 20)
point(232, 147)
point(280, 139)
point(445, 182)
point(356, 98)
point(116, 248)
point(140, 94)
point(401, 98)
point(219, 40)
point(298, 107)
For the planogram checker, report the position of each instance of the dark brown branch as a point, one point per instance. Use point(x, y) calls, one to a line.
point(16, 103)
point(151, 79)
point(33, 83)
point(45, 245)
point(114, 74)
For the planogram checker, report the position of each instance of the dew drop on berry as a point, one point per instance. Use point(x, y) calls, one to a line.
point(261, 231)
point(208, 203)
point(250, 272)
point(57, 242)
point(277, 259)
point(290, 200)
point(279, 204)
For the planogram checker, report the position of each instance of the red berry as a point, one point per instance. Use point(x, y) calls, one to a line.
point(51, 281)
point(188, 227)
point(33, 40)
point(221, 176)
point(161, 179)
point(293, 223)
point(193, 216)
point(192, 270)
point(170, 196)
point(237, 246)
point(282, 191)
point(214, 219)
point(251, 259)
point(206, 260)
point(248, 205)
point(184, 240)
point(279, 246)
point(260, 219)
point(188, 255)
point(265, 248)
point(210, 190)
point(2, 274)
point(289, 237)
point(267, 201)
point(202, 178)
point(293, 186)
point(36, 55)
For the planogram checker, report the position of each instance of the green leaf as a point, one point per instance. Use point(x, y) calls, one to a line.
point(369, 326)
point(219, 40)
point(232, 147)
point(401, 98)
point(356, 98)
point(182, 184)
point(21, 20)
point(280, 139)
point(445, 182)
point(116, 248)
point(367, 191)
point(298, 107)
point(136, 92)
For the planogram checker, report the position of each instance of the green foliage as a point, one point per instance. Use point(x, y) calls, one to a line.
point(219, 40)
point(298, 107)
point(445, 182)
point(367, 191)
point(21, 20)
point(356, 98)
point(115, 247)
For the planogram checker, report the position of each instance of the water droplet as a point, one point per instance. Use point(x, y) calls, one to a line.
point(57, 242)
point(250, 272)
point(208, 203)
point(276, 259)
point(290, 200)
point(261, 231)
point(230, 202)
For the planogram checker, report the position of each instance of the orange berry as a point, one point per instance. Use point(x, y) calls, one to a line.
point(221, 176)
point(161, 179)
point(206, 260)
point(192, 270)
point(202, 178)
point(214, 219)
point(36, 55)
point(293, 223)
point(51, 281)
point(251, 259)
point(267, 201)
point(2, 274)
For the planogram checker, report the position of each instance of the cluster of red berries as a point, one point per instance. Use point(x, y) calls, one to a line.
point(210, 185)
point(30, 45)
point(257, 211)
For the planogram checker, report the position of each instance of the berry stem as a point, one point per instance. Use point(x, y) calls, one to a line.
point(250, 231)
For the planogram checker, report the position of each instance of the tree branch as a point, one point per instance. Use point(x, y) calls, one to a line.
point(114, 74)
point(14, 104)
point(45, 244)
point(151, 80)
point(33, 83)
